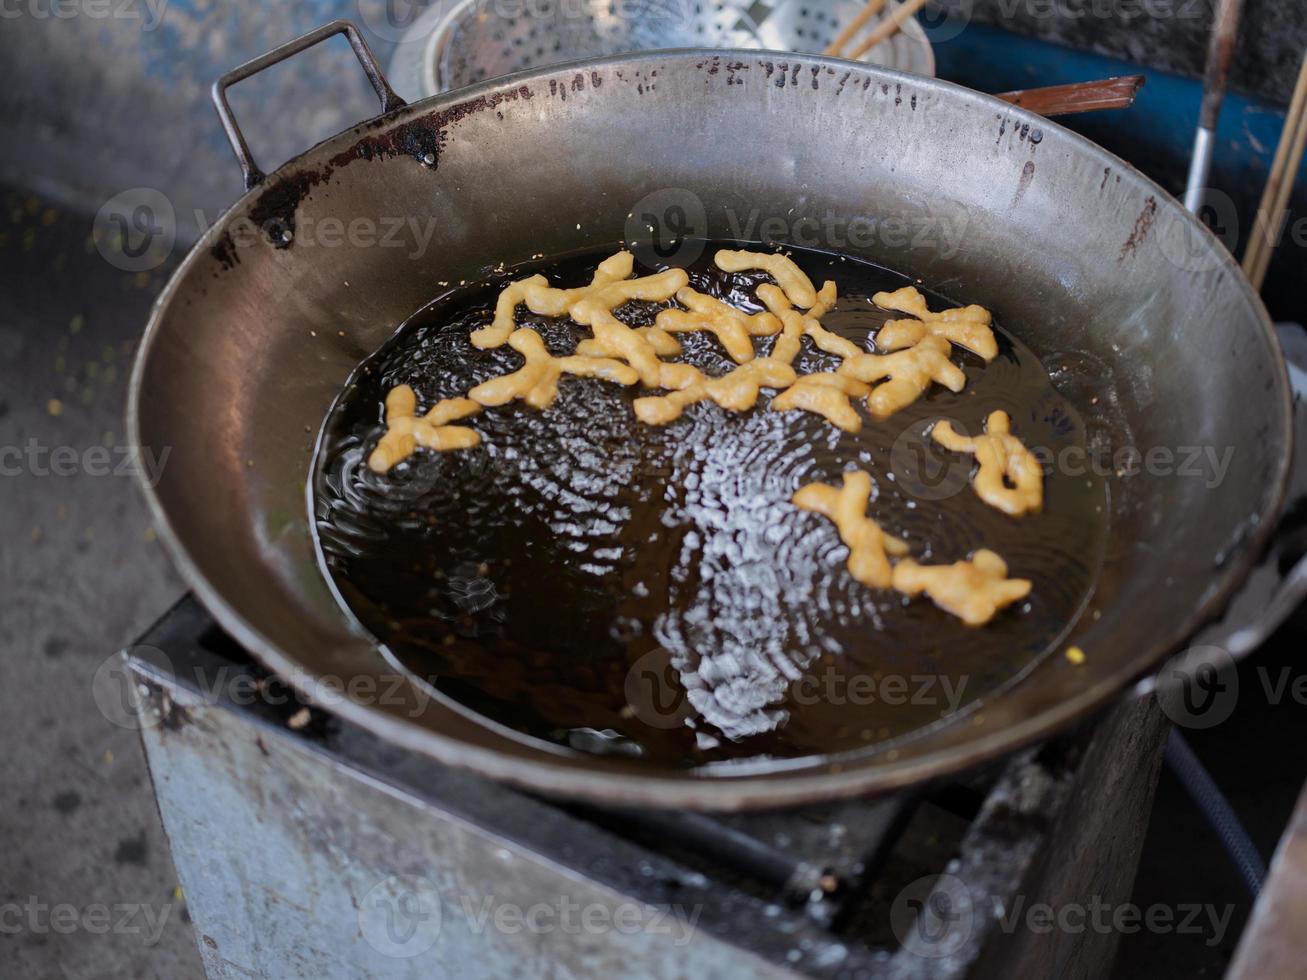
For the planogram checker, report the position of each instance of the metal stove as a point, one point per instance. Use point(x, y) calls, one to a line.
point(310, 847)
point(307, 846)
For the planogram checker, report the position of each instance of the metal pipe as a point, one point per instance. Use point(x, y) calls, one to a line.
point(731, 847)
point(1200, 166)
point(1220, 55)
point(1216, 808)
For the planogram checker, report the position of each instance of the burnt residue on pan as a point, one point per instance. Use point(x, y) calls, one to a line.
point(274, 210)
point(615, 587)
point(421, 138)
point(1143, 224)
point(223, 250)
point(1023, 182)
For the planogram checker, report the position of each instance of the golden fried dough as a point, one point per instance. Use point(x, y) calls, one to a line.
point(827, 395)
point(609, 288)
point(869, 546)
point(510, 297)
point(808, 323)
point(735, 391)
point(1003, 460)
point(733, 328)
point(663, 343)
point(912, 354)
point(536, 382)
point(967, 326)
point(798, 287)
point(971, 590)
point(910, 372)
point(405, 431)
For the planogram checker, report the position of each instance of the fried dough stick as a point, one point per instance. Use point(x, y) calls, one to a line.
point(974, 590)
point(406, 430)
point(536, 382)
point(910, 372)
point(967, 326)
point(1003, 460)
point(869, 546)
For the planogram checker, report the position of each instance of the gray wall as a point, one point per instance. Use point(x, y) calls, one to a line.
point(108, 95)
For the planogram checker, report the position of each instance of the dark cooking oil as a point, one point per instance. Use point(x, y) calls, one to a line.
point(621, 588)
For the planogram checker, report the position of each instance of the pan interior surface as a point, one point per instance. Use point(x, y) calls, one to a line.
point(1144, 323)
point(646, 591)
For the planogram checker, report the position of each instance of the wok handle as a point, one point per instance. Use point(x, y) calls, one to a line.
point(389, 100)
point(1062, 100)
point(1218, 650)
point(1287, 597)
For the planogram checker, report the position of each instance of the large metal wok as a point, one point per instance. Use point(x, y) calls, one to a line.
point(1150, 327)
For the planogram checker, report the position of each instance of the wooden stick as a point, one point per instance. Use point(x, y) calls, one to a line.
point(1259, 237)
point(887, 28)
point(872, 8)
point(1271, 211)
point(1061, 100)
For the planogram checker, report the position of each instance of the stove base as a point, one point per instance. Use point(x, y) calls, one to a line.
point(319, 850)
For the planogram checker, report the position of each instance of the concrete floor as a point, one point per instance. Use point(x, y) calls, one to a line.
point(81, 575)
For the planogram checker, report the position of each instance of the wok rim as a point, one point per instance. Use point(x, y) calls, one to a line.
point(567, 777)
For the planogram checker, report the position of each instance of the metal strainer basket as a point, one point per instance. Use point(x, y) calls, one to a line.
point(471, 40)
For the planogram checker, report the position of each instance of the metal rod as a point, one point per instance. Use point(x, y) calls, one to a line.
point(732, 848)
point(1200, 167)
point(1220, 55)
